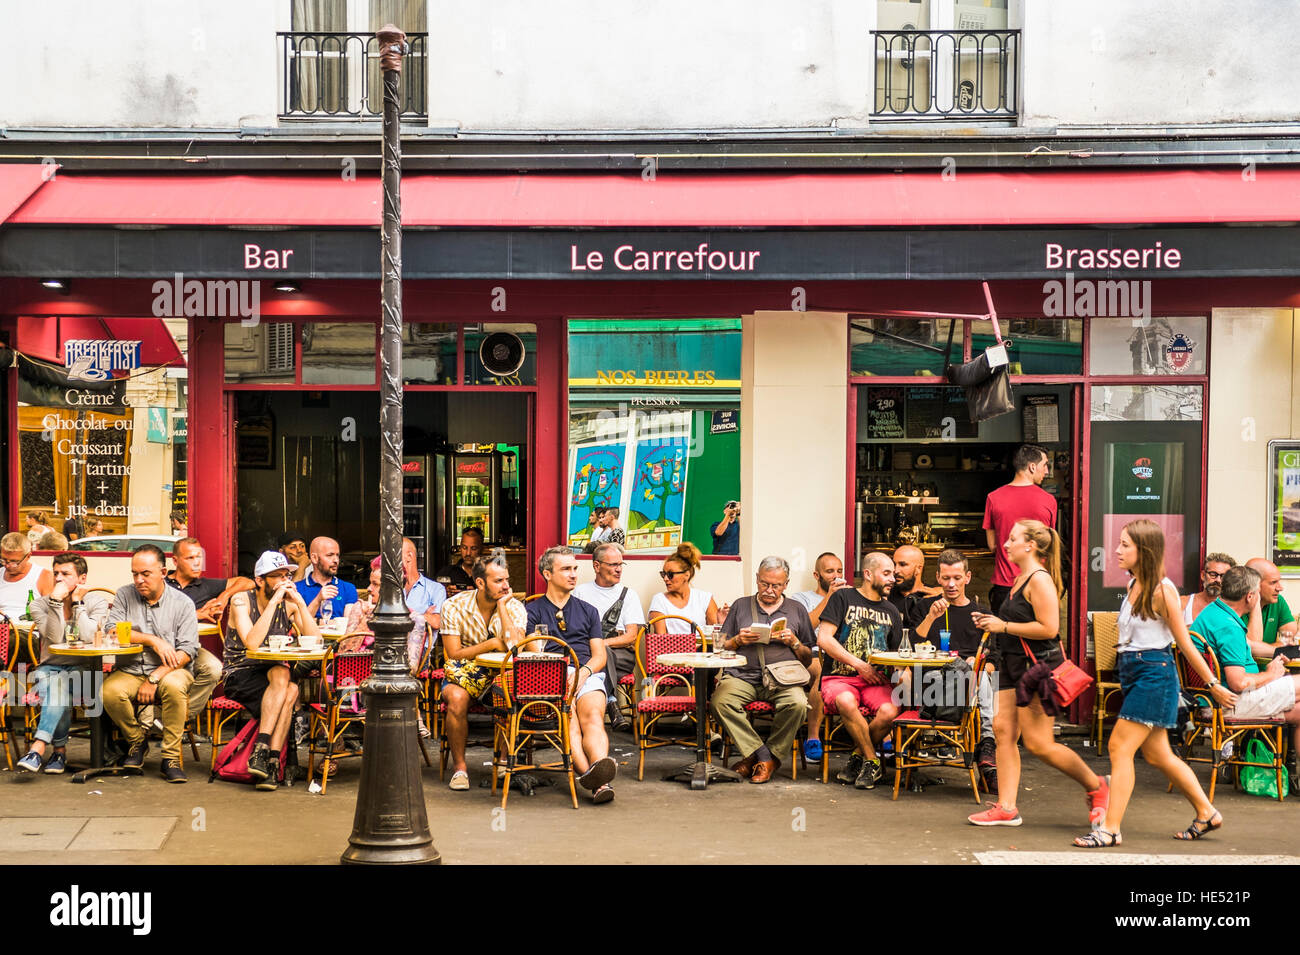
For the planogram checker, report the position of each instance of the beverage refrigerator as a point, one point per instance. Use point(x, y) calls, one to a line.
point(474, 494)
point(416, 498)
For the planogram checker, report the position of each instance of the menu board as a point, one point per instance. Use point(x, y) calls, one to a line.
point(928, 406)
point(885, 409)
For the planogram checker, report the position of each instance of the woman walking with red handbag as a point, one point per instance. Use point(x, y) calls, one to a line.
point(1150, 623)
point(1027, 631)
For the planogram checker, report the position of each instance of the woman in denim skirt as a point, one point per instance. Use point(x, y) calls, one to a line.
point(1150, 623)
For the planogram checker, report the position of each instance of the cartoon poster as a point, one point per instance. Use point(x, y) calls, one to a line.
point(595, 480)
point(657, 501)
point(1284, 541)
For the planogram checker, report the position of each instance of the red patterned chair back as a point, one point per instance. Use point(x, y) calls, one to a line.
point(8, 642)
point(352, 669)
point(538, 678)
point(657, 643)
point(1191, 680)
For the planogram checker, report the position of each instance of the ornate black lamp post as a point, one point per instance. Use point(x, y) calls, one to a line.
point(391, 824)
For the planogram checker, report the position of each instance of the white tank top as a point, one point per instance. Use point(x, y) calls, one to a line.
point(696, 608)
point(1137, 633)
point(13, 593)
point(1189, 611)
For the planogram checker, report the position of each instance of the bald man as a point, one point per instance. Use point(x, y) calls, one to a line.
point(321, 585)
point(1271, 621)
point(908, 590)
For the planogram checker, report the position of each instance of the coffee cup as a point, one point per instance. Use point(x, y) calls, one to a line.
point(309, 641)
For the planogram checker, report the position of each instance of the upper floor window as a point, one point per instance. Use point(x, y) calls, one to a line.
point(945, 59)
point(329, 59)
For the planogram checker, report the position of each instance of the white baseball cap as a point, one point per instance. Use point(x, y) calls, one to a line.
point(269, 561)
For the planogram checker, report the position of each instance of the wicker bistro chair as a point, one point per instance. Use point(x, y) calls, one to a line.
point(533, 699)
point(1105, 639)
point(916, 738)
point(1211, 725)
point(338, 707)
point(657, 703)
point(8, 650)
point(835, 738)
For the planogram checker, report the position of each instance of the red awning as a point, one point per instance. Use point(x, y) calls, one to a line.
point(678, 200)
point(43, 338)
point(17, 183)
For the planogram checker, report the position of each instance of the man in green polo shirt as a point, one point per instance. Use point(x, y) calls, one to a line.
point(1270, 694)
point(1276, 624)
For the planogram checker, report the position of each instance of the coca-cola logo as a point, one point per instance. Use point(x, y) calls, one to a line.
point(410, 467)
point(472, 467)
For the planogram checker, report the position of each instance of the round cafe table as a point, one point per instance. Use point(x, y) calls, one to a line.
point(701, 772)
point(895, 659)
point(287, 655)
point(98, 729)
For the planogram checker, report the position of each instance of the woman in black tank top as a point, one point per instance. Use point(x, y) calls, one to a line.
point(1032, 615)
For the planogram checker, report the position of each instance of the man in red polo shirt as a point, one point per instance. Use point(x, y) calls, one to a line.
point(1020, 500)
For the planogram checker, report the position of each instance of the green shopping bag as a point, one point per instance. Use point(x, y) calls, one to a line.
point(1260, 780)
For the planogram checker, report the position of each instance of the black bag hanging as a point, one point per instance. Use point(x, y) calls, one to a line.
point(946, 693)
point(988, 389)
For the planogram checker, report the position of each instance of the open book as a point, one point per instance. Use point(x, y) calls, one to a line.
point(765, 630)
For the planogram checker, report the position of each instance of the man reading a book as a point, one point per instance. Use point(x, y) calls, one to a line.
point(766, 628)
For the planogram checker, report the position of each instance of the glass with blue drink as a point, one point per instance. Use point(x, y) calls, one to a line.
point(944, 636)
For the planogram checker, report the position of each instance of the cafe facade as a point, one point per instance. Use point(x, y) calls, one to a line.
point(575, 341)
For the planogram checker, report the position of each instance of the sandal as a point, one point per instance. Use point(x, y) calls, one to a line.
point(1200, 827)
point(1099, 839)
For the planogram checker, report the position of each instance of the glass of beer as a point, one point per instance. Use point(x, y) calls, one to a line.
point(123, 633)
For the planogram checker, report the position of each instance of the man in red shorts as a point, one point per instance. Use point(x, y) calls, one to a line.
point(854, 623)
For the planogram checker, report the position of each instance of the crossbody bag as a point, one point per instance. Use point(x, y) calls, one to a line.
point(782, 674)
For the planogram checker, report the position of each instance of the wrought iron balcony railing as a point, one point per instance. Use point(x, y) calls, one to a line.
point(337, 76)
point(947, 74)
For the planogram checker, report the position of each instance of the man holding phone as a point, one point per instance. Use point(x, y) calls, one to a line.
point(726, 532)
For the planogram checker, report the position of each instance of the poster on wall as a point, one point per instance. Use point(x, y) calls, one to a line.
point(595, 481)
point(1284, 506)
point(1146, 481)
point(658, 494)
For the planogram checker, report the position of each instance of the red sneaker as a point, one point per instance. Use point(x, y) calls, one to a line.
point(1098, 800)
point(995, 815)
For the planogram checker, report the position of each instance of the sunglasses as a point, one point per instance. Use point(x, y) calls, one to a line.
point(559, 621)
point(670, 574)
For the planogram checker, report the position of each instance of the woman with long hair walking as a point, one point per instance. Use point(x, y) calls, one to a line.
point(1150, 623)
point(1029, 621)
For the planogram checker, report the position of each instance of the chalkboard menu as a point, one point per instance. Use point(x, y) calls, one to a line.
point(885, 410)
point(928, 406)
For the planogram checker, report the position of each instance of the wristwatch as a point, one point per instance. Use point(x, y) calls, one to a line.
point(154, 678)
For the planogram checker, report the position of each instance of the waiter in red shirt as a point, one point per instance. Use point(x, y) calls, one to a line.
point(1022, 499)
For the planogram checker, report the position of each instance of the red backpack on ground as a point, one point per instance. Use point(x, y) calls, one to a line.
point(232, 761)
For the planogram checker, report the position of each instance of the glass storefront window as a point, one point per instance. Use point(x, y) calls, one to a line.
point(903, 346)
point(261, 353)
point(1039, 346)
point(654, 429)
point(429, 354)
point(1146, 464)
point(1163, 346)
point(106, 450)
point(338, 353)
point(499, 353)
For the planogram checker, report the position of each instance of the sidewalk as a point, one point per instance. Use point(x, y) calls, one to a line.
point(50, 820)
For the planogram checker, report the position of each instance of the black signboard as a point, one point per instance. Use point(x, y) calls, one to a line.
point(928, 407)
point(885, 412)
point(725, 422)
point(685, 254)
